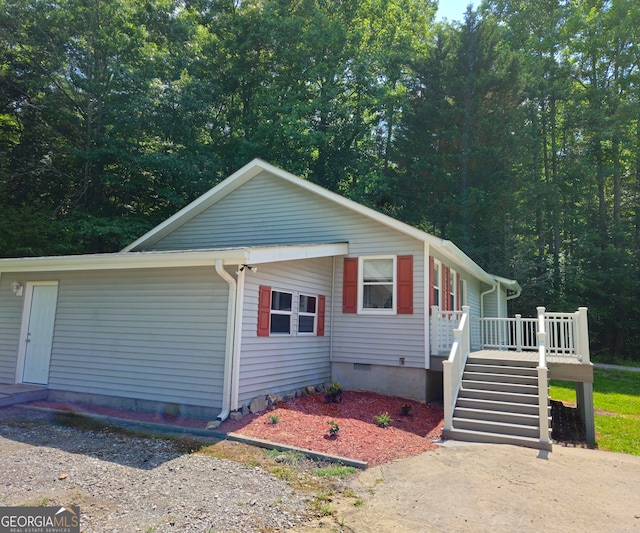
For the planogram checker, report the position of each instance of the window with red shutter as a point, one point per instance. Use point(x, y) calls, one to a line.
point(405, 285)
point(350, 285)
point(321, 313)
point(264, 311)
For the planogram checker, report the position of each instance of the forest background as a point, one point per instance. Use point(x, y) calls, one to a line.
point(514, 133)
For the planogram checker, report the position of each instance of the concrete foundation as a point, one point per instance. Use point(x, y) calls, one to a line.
point(410, 383)
point(164, 410)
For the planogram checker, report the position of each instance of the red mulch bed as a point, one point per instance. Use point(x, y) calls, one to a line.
point(303, 423)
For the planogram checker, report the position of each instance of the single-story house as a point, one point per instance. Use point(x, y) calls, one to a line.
point(265, 284)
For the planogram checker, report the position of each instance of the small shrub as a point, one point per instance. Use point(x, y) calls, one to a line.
point(383, 420)
point(274, 418)
point(334, 393)
point(406, 408)
point(334, 428)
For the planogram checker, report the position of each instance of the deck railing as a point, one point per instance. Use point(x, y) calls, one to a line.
point(567, 333)
point(453, 367)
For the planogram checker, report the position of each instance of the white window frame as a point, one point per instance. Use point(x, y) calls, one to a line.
point(453, 290)
point(384, 310)
point(437, 267)
point(305, 313)
point(279, 312)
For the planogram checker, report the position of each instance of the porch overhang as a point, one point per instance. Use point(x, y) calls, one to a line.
point(253, 255)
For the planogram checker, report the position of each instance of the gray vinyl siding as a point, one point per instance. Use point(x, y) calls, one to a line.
point(474, 289)
point(280, 363)
point(154, 335)
point(268, 210)
point(10, 319)
point(491, 304)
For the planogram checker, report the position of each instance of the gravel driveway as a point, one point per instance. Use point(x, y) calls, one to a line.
point(128, 484)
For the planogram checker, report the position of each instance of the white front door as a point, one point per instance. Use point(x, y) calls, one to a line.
point(37, 331)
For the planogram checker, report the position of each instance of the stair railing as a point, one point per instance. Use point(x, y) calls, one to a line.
point(453, 367)
point(543, 378)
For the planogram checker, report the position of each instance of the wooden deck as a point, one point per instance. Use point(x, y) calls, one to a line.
point(562, 368)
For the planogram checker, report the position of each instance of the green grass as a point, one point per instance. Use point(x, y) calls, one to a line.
point(340, 471)
point(616, 399)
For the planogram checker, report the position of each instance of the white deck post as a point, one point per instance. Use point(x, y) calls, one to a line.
point(447, 395)
point(543, 384)
point(518, 333)
point(583, 336)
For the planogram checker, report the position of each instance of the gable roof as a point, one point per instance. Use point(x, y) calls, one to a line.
point(257, 166)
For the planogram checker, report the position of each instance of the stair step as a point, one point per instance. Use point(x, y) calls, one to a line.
point(500, 396)
point(523, 419)
point(23, 397)
point(500, 428)
point(498, 386)
point(502, 369)
point(496, 405)
point(501, 378)
point(483, 436)
point(479, 360)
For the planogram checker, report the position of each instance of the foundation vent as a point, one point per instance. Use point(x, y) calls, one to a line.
point(362, 368)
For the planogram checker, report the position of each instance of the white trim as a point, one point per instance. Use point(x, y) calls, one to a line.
point(24, 325)
point(437, 265)
point(426, 312)
point(394, 296)
point(453, 290)
point(256, 167)
point(229, 256)
point(314, 332)
point(280, 312)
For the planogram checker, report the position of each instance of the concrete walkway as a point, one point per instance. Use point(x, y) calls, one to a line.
point(498, 489)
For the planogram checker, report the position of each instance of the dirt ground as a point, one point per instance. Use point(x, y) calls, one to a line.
point(496, 488)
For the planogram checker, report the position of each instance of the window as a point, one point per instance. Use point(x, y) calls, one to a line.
point(437, 283)
point(377, 284)
point(307, 312)
point(281, 312)
point(277, 311)
point(453, 285)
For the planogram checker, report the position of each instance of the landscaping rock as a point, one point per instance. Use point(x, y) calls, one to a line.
point(258, 404)
point(214, 424)
point(311, 389)
point(273, 399)
point(235, 415)
point(245, 410)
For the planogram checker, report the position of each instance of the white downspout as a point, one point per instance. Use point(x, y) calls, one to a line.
point(482, 295)
point(237, 340)
point(229, 344)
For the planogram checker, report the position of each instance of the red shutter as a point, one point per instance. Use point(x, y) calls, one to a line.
point(350, 285)
point(264, 311)
point(405, 284)
point(431, 295)
point(458, 292)
point(321, 312)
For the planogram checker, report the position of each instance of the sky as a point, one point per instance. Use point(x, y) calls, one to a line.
point(452, 9)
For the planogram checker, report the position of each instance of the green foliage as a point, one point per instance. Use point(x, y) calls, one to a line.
point(333, 393)
point(514, 133)
point(340, 471)
point(334, 428)
point(274, 418)
point(383, 420)
point(616, 398)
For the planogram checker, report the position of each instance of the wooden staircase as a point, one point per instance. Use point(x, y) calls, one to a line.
point(498, 403)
